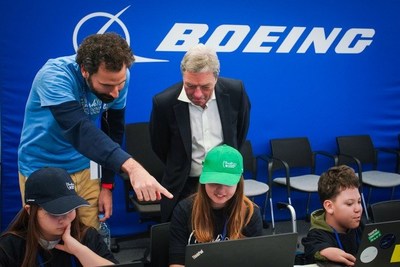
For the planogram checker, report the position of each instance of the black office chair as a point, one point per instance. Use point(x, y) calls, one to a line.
point(252, 187)
point(138, 145)
point(291, 154)
point(358, 150)
point(386, 211)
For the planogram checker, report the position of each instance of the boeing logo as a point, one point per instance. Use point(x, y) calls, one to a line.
point(229, 37)
point(112, 18)
point(279, 39)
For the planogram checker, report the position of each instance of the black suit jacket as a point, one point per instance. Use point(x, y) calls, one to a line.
point(171, 135)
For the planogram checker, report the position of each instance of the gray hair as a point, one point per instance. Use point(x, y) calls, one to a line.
point(200, 58)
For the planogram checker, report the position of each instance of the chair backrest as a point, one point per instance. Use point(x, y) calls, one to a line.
point(359, 146)
point(296, 152)
point(386, 211)
point(138, 145)
point(159, 245)
point(249, 160)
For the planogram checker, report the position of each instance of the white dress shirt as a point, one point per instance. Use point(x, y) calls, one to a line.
point(206, 128)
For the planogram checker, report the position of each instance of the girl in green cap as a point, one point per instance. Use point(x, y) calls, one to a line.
point(218, 211)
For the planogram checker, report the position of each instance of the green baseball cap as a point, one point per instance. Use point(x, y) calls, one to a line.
point(222, 165)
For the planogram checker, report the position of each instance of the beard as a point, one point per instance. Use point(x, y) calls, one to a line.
point(105, 98)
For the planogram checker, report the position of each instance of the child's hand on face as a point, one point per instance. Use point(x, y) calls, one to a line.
point(338, 255)
point(71, 245)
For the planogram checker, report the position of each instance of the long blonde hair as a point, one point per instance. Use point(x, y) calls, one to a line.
point(239, 208)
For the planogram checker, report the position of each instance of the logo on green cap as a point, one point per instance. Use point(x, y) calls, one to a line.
point(229, 164)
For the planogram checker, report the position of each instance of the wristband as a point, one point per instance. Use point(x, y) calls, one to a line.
point(107, 186)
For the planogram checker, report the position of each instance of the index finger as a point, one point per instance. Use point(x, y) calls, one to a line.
point(165, 192)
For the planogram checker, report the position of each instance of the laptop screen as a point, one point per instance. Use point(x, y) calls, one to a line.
point(262, 251)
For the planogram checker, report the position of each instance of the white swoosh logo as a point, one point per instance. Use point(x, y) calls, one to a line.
point(112, 19)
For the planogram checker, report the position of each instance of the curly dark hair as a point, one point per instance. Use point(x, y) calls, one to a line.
point(335, 180)
point(108, 48)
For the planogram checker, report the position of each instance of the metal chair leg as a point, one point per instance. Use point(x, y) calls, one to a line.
point(364, 206)
point(272, 214)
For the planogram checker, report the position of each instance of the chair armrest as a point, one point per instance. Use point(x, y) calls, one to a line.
point(124, 176)
point(265, 158)
point(358, 163)
point(327, 154)
point(132, 197)
point(388, 150)
point(268, 160)
point(271, 160)
point(283, 205)
point(127, 195)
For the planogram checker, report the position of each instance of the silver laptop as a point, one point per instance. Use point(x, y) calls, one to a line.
point(262, 251)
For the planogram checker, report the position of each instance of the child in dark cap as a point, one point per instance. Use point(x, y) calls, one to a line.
point(218, 211)
point(47, 231)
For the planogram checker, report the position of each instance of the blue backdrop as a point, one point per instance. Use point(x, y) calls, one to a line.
point(311, 68)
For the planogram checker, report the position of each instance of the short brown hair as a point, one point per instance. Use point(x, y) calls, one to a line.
point(108, 48)
point(335, 180)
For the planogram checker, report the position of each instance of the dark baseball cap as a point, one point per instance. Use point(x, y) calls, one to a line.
point(53, 190)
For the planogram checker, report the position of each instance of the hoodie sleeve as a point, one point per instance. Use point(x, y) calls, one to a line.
point(315, 241)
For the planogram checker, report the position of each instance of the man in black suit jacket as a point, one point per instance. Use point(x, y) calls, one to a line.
point(193, 116)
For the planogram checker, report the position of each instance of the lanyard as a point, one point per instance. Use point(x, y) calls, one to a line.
point(224, 231)
point(41, 263)
point(338, 239)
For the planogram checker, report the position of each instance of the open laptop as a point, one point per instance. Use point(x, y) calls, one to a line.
point(159, 246)
point(262, 251)
point(379, 247)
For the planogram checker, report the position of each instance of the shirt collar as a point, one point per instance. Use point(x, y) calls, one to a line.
point(183, 97)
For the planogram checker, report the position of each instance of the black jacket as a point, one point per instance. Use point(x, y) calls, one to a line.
point(171, 135)
point(321, 236)
point(12, 251)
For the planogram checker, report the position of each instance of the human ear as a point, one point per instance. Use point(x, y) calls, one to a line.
point(84, 72)
point(27, 208)
point(328, 206)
